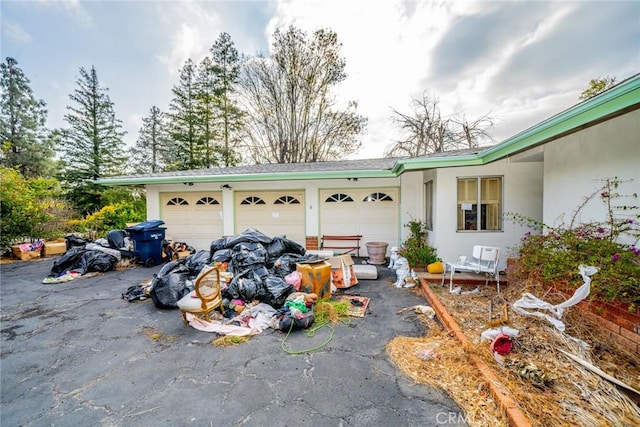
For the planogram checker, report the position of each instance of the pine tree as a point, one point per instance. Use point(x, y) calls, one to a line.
point(92, 147)
point(185, 122)
point(207, 110)
point(226, 67)
point(26, 143)
point(149, 154)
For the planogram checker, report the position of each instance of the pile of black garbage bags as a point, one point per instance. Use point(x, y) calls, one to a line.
point(259, 264)
point(84, 256)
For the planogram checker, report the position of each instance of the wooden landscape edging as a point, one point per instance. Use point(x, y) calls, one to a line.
point(516, 417)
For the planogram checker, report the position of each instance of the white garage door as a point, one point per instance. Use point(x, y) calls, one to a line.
point(274, 213)
point(373, 213)
point(193, 218)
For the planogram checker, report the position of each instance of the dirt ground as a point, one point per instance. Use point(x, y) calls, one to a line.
point(550, 387)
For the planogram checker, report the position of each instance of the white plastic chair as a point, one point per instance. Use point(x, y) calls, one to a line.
point(485, 261)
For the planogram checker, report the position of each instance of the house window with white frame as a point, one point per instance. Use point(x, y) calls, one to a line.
point(480, 204)
point(428, 193)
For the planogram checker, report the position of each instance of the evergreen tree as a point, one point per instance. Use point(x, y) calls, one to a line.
point(92, 147)
point(207, 110)
point(149, 154)
point(26, 143)
point(185, 122)
point(227, 70)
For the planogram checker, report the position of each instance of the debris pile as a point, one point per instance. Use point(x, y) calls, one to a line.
point(553, 376)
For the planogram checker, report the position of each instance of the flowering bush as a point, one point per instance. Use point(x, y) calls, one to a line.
point(553, 255)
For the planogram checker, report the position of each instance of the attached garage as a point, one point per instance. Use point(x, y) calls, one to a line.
point(370, 212)
point(192, 217)
point(274, 213)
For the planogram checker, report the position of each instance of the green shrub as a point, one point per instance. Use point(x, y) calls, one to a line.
point(415, 248)
point(111, 217)
point(30, 208)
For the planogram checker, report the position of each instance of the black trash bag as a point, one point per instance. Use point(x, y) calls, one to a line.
point(220, 244)
point(83, 261)
point(288, 322)
point(276, 291)
point(116, 239)
point(249, 235)
point(282, 245)
point(73, 240)
point(68, 261)
point(246, 286)
point(170, 284)
point(260, 270)
point(222, 255)
point(247, 254)
point(99, 261)
point(196, 262)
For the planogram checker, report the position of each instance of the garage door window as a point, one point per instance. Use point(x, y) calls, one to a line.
point(286, 200)
point(338, 198)
point(252, 200)
point(378, 197)
point(177, 201)
point(207, 201)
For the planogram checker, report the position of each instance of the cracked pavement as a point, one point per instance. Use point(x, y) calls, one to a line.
point(76, 353)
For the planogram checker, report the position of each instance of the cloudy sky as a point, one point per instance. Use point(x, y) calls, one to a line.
point(518, 61)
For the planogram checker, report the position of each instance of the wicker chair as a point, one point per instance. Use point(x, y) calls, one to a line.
point(206, 296)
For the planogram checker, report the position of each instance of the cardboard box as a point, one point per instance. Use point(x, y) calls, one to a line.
point(183, 254)
point(342, 274)
point(54, 248)
point(315, 278)
point(24, 255)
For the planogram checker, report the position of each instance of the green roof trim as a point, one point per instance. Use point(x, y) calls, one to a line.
point(618, 98)
point(623, 97)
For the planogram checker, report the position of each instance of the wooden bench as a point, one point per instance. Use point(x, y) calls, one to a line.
point(354, 246)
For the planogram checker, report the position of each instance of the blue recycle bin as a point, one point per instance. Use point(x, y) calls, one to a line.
point(147, 240)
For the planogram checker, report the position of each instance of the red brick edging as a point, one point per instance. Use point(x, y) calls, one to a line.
point(516, 417)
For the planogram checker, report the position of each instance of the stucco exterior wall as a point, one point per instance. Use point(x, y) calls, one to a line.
point(574, 167)
point(411, 201)
point(522, 194)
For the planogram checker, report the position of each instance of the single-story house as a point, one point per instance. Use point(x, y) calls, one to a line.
point(542, 173)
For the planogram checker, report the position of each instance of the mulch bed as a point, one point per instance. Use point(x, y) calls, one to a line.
point(549, 387)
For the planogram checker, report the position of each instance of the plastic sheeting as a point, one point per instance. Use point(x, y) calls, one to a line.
point(84, 259)
point(530, 305)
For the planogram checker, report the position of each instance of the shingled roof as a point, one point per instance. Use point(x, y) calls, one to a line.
point(358, 168)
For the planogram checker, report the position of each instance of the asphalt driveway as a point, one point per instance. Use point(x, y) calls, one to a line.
point(77, 354)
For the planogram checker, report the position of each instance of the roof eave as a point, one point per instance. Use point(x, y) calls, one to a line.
point(436, 162)
point(280, 176)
